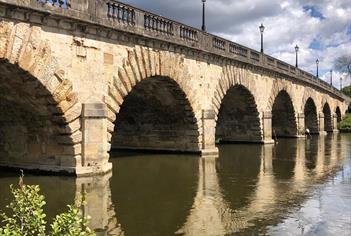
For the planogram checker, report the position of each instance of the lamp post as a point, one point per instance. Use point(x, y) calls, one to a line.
point(340, 83)
point(203, 16)
point(317, 63)
point(261, 30)
point(296, 51)
point(331, 77)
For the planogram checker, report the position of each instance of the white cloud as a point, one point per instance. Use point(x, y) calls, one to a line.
point(326, 23)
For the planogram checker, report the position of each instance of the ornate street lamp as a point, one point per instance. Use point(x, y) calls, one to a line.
point(331, 77)
point(203, 16)
point(261, 30)
point(296, 51)
point(317, 63)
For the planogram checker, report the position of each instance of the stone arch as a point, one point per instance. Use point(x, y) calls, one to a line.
point(39, 105)
point(232, 75)
point(141, 67)
point(311, 116)
point(283, 115)
point(323, 101)
point(278, 87)
point(234, 104)
point(328, 125)
point(238, 119)
point(309, 93)
point(338, 114)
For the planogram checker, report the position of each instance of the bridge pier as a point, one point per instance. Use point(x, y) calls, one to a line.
point(335, 123)
point(301, 129)
point(95, 146)
point(177, 73)
point(267, 128)
point(208, 134)
point(321, 124)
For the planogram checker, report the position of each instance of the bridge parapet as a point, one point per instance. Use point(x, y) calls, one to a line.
point(108, 15)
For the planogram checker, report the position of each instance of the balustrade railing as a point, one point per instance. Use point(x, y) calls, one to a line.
point(188, 33)
point(125, 14)
point(120, 12)
point(270, 61)
point(158, 24)
point(254, 56)
point(282, 65)
point(218, 43)
point(238, 50)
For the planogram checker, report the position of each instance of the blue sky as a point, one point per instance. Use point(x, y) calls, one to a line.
point(313, 12)
point(321, 28)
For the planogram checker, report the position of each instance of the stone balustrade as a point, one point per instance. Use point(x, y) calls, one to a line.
point(107, 12)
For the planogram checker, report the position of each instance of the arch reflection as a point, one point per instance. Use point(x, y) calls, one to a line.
point(99, 206)
point(245, 190)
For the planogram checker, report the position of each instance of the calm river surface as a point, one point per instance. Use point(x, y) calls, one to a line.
point(298, 187)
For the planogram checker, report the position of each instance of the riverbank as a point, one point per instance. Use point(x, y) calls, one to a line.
point(345, 125)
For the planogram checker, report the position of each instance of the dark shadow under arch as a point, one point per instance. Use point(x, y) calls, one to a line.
point(33, 130)
point(311, 119)
point(238, 118)
point(283, 116)
point(338, 114)
point(156, 115)
point(328, 126)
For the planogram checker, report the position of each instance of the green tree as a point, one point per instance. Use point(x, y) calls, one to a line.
point(343, 64)
point(27, 216)
point(345, 124)
point(347, 91)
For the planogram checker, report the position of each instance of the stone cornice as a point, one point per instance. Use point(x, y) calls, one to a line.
point(108, 19)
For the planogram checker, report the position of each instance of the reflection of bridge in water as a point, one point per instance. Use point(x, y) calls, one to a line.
point(279, 183)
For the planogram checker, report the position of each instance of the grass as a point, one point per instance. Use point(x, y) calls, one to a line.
point(345, 124)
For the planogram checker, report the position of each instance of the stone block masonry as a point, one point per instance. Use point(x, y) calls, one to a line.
point(84, 77)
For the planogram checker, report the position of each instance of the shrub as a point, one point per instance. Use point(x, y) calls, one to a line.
point(27, 216)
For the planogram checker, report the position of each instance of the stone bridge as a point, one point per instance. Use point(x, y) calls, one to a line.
point(80, 78)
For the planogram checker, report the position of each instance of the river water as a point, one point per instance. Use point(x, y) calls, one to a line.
point(298, 187)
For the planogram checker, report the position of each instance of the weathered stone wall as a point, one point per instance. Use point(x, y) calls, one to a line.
point(74, 92)
point(37, 103)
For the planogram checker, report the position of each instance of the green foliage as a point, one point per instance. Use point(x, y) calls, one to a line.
point(71, 223)
point(347, 91)
point(28, 218)
point(345, 124)
point(343, 64)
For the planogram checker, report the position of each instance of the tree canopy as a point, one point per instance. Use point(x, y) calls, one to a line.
point(347, 91)
point(343, 64)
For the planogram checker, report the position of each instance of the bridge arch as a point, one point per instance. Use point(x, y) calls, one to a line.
point(151, 106)
point(236, 111)
point(283, 115)
point(238, 118)
point(328, 125)
point(311, 117)
point(338, 114)
point(39, 119)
